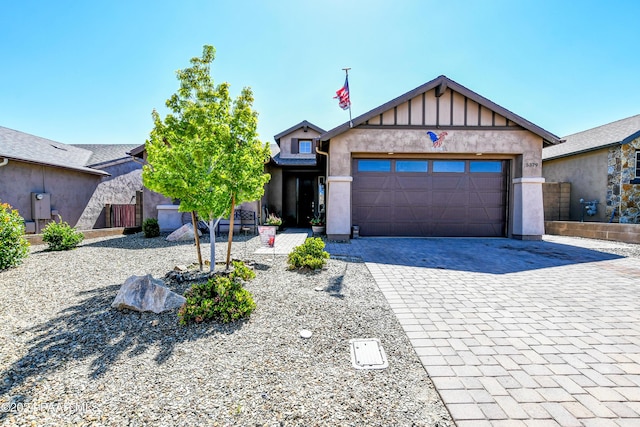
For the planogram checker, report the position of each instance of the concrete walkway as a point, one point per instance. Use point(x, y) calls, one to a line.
point(285, 242)
point(517, 333)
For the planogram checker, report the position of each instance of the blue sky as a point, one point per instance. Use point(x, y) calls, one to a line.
point(92, 71)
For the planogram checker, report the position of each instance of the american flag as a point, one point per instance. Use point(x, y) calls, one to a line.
point(343, 95)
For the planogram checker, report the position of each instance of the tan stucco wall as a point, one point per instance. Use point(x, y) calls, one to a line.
point(522, 147)
point(285, 144)
point(407, 141)
point(587, 174)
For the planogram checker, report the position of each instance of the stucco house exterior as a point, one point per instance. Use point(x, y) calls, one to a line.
point(296, 189)
point(601, 164)
point(439, 160)
point(42, 178)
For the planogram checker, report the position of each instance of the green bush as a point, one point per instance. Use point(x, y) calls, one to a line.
point(60, 236)
point(150, 227)
point(13, 246)
point(310, 254)
point(221, 298)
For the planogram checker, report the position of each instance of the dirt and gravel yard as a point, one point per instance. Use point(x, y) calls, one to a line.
point(67, 357)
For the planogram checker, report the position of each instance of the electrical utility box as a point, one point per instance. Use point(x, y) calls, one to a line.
point(40, 206)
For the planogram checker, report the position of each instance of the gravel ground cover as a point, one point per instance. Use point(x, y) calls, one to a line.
point(67, 358)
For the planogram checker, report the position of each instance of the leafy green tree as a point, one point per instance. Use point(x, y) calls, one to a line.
point(206, 151)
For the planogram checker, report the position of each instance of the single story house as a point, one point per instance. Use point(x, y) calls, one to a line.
point(42, 179)
point(602, 166)
point(439, 160)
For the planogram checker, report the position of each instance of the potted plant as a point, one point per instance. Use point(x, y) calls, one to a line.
point(274, 220)
point(317, 224)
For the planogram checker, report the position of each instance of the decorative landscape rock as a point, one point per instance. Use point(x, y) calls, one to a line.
point(144, 293)
point(183, 233)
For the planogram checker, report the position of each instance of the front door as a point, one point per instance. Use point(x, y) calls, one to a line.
point(305, 201)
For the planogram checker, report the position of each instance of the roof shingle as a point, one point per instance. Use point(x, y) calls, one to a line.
point(618, 132)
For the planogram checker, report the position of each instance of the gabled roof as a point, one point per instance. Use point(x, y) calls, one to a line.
point(34, 149)
point(619, 132)
point(106, 153)
point(440, 84)
point(137, 151)
point(302, 125)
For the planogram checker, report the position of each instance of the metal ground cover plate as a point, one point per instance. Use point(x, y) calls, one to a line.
point(367, 353)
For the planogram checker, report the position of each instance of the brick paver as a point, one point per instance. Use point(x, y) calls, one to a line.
point(517, 333)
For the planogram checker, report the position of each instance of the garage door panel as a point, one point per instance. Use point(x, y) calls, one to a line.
point(418, 199)
point(449, 183)
point(486, 229)
point(486, 214)
point(412, 183)
point(412, 198)
point(376, 214)
point(486, 199)
point(448, 199)
point(429, 203)
point(369, 198)
point(376, 182)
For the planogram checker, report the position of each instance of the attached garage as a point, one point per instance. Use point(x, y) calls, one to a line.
point(439, 160)
point(429, 197)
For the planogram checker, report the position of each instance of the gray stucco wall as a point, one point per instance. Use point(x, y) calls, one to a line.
point(70, 190)
point(587, 174)
point(78, 197)
point(119, 188)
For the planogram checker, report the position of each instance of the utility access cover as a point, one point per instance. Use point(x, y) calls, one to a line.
point(367, 353)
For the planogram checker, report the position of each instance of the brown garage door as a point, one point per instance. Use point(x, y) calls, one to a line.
point(409, 197)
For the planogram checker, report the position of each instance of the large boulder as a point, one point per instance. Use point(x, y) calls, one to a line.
point(183, 233)
point(144, 293)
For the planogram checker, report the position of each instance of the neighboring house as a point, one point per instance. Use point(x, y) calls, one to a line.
point(296, 189)
point(439, 160)
point(150, 199)
point(601, 164)
point(43, 178)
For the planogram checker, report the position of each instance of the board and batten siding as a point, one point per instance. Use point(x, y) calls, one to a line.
point(451, 109)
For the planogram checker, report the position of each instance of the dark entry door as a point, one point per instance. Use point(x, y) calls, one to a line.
point(306, 199)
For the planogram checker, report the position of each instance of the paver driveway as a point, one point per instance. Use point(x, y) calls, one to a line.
point(517, 333)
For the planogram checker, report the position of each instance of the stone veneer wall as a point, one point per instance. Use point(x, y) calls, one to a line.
point(621, 190)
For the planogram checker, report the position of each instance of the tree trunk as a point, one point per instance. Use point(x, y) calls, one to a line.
point(212, 239)
point(233, 207)
point(195, 234)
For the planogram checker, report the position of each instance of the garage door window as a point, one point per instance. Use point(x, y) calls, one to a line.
point(485, 166)
point(412, 166)
point(455, 166)
point(374, 165)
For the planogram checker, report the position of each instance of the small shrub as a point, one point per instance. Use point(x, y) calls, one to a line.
point(60, 236)
point(310, 254)
point(221, 298)
point(241, 271)
point(150, 227)
point(13, 246)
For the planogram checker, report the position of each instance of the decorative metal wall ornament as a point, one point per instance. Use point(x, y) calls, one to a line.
point(437, 139)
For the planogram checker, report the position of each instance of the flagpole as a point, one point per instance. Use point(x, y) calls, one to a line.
point(346, 71)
